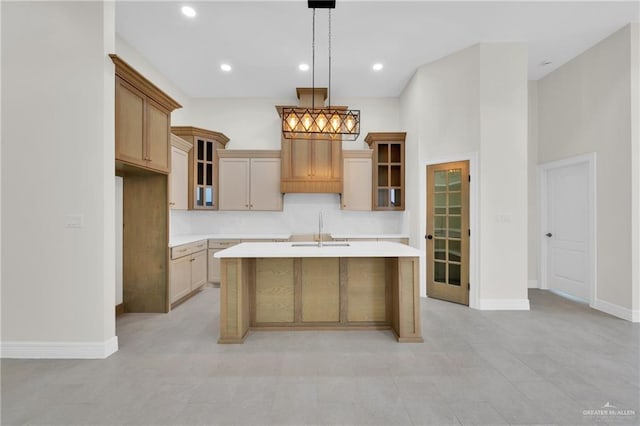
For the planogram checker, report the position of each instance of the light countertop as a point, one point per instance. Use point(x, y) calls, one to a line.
point(369, 235)
point(329, 249)
point(178, 240)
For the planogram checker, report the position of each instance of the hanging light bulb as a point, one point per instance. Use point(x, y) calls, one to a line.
point(322, 122)
point(292, 120)
point(350, 123)
point(335, 122)
point(307, 121)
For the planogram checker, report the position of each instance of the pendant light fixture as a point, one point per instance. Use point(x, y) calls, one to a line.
point(330, 122)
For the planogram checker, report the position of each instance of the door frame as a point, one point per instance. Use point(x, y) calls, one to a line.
point(474, 223)
point(543, 173)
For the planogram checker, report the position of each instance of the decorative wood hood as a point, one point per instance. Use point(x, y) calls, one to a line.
point(310, 165)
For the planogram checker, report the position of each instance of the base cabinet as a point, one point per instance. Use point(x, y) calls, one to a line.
point(180, 278)
point(188, 269)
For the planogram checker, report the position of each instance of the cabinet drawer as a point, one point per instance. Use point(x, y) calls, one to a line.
point(222, 244)
point(187, 249)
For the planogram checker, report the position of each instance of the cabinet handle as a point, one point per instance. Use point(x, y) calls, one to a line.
point(172, 204)
point(246, 205)
point(192, 260)
point(250, 205)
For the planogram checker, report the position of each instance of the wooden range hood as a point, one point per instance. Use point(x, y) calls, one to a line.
point(310, 165)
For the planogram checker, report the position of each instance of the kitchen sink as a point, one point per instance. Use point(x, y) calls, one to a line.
point(318, 245)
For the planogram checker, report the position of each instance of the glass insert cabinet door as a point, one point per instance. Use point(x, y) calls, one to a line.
point(204, 163)
point(448, 232)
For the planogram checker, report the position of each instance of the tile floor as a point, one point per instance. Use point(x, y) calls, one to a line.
point(550, 365)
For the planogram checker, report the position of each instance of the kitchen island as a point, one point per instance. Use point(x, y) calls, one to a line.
point(285, 286)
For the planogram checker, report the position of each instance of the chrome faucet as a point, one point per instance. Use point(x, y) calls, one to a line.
point(320, 229)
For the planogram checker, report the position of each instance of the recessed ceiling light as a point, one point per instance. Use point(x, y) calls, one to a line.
point(225, 67)
point(303, 67)
point(188, 11)
point(545, 63)
point(377, 67)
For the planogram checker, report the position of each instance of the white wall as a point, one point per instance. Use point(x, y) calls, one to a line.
point(585, 106)
point(253, 123)
point(532, 167)
point(299, 216)
point(635, 168)
point(473, 104)
point(503, 173)
point(57, 140)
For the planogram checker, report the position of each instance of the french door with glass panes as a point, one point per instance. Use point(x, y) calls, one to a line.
point(448, 232)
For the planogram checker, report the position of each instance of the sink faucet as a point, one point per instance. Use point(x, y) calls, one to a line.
point(320, 229)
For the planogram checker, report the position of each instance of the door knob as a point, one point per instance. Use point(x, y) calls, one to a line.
point(549, 234)
point(429, 237)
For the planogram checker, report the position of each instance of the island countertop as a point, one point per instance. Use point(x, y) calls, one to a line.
point(329, 249)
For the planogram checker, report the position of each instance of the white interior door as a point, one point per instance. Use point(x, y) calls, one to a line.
point(567, 232)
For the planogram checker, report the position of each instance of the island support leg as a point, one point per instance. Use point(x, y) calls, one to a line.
point(234, 300)
point(405, 299)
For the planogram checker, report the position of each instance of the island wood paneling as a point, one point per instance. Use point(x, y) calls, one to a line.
point(366, 289)
point(274, 299)
point(319, 293)
point(234, 299)
point(409, 329)
point(320, 289)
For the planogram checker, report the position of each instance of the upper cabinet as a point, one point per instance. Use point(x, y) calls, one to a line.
point(356, 194)
point(388, 170)
point(179, 198)
point(250, 180)
point(203, 165)
point(143, 120)
point(311, 165)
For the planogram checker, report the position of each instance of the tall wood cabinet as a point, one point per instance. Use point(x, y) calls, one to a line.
point(142, 120)
point(143, 160)
point(203, 165)
point(388, 169)
point(311, 165)
point(250, 180)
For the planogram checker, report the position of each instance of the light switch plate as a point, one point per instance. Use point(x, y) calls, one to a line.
point(74, 221)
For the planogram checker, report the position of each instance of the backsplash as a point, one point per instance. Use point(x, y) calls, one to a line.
point(299, 216)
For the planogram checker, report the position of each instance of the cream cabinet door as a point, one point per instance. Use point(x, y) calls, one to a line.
point(179, 179)
point(265, 184)
point(234, 183)
point(198, 269)
point(157, 137)
point(213, 266)
point(356, 192)
point(130, 107)
point(180, 277)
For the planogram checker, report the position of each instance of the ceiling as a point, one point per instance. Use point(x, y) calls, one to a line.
point(264, 41)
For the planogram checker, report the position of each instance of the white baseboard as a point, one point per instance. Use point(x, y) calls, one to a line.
point(503, 304)
point(533, 284)
point(616, 310)
point(59, 350)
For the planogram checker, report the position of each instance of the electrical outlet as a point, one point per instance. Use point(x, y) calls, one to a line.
point(74, 221)
point(503, 218)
